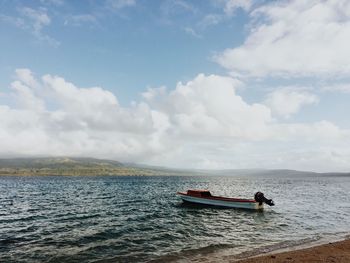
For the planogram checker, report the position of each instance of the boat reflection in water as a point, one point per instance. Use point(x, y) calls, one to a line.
point(204, 197)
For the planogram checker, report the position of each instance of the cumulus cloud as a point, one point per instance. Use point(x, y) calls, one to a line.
point(208, 105)
point(26, 97)
point(25, 75)
point(54, 117)
point(294, 38)
point(203, 123)
point(287, 101)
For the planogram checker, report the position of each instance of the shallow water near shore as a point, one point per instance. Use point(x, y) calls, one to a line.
point(138, 219)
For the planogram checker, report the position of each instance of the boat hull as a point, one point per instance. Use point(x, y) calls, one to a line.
point(222, 203)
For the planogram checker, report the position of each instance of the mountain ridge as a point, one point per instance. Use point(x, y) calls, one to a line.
point(63, 165)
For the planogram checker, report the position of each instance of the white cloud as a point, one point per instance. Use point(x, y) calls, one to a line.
point(326, 159)
point(36, 20)
point(83, 121)
point(39, 18)
point(232, 5)
point(203, 123)
point(53, 2)
point(210, 20)
point(311, 132)
point(173, 7)
point(339, 87)
point(209, 106)
point(119, 4)
point(33, 21)
point(16, 21)
point(25, 75)
point(287, 101)
point(81, 19)
point(26, 97)
point(228, 8)
point(96, 108)
point(192, 32)
point(294, 38)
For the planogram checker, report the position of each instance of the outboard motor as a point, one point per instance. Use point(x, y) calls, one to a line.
point(260, 198)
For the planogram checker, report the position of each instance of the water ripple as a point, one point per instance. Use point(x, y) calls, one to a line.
point(138, 219)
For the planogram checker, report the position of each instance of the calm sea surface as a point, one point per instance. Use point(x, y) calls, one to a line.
point(138, 219)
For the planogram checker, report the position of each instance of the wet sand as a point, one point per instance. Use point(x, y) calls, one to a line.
point(335, 252)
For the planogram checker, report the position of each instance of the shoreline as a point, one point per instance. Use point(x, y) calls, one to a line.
point(301, 245)
point(336, 251)
point(330, 248)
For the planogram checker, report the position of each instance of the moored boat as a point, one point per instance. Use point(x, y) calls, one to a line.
point(204, 197)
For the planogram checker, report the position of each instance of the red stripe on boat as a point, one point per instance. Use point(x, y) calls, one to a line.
point(205, 194)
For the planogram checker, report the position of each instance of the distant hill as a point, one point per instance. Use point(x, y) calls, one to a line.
point(271, 173)
point(92, 166)
point(76, 166)
point(57, 162)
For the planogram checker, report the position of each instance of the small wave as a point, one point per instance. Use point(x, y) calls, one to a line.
point(65, 219)
point(10, 241)
point(69, 217)
point(188, 254)
point(22, 219)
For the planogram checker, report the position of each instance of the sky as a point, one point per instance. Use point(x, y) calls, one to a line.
point(215, 84)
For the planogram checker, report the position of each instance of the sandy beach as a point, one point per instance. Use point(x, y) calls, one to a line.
point(336, 252)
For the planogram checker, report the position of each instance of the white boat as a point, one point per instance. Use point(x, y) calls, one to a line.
point(204, 197)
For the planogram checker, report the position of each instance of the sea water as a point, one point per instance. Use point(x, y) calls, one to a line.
point(140, 219)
